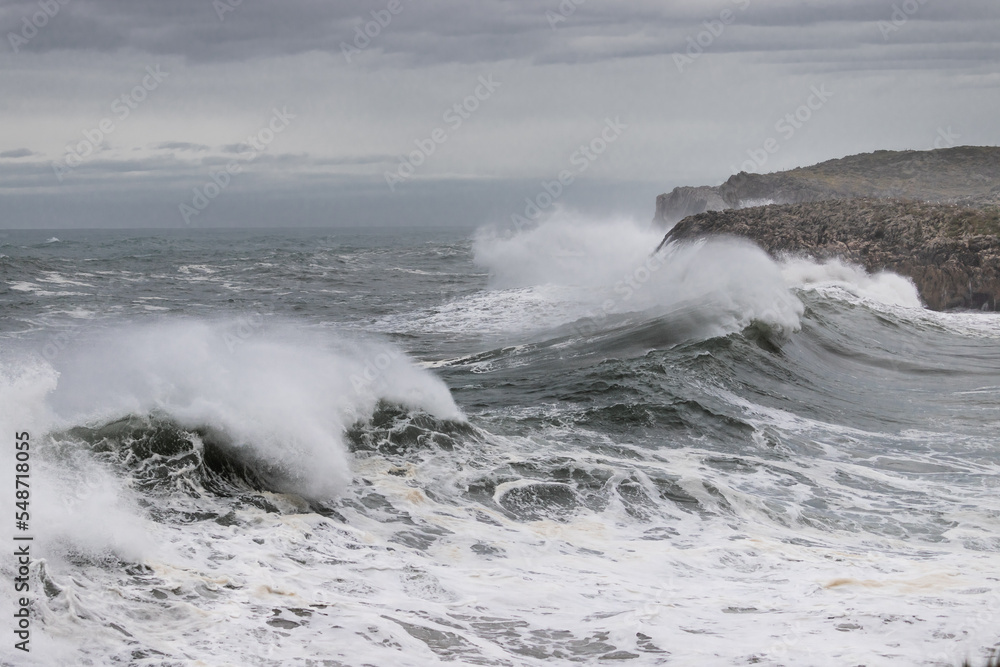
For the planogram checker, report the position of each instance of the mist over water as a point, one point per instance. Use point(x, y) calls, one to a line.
point(546, 447)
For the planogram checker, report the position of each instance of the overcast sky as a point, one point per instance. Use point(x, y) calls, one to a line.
point(153, 113)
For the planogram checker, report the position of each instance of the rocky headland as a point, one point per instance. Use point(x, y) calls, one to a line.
point(933, 216)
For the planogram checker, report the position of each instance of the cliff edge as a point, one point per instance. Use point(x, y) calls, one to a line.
point(933, 216)
point(966, 175)
point(952, 253)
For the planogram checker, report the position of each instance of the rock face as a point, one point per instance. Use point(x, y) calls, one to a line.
point(951, 252)
point(683, 202)
point(966, 175)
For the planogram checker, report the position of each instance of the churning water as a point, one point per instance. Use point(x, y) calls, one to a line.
point(424, 447)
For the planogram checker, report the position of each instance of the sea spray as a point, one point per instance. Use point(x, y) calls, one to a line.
point(287, 397)
point(593, 270)
point(884, 287)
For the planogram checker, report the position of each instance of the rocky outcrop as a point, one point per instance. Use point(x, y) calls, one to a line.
point(951, 252)
point(683, 202)
point(966, 175)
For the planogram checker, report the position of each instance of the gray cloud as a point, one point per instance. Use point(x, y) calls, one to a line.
point(342, 201)
point(448, 31)
point(165, 169)
point(181, 146)
point(16, 153)
point(895, 87)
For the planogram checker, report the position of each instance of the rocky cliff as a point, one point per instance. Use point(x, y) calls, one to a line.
point(966, 175)
point(951, 252)
point(933, 216)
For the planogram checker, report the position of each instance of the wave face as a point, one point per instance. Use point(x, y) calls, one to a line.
point(552, 447)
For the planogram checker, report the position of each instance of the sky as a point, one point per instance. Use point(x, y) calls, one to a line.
point(220, 113)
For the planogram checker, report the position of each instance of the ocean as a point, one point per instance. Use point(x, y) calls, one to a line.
point(542, 447)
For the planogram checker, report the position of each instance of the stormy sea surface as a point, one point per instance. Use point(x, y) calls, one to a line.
point(421, 447)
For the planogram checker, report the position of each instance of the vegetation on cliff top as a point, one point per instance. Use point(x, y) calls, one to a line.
point(967, 175)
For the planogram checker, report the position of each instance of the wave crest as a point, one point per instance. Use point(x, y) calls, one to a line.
point(595, 272)
point(285, 398)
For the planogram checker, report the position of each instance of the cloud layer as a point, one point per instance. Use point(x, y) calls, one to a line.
point(700, 85)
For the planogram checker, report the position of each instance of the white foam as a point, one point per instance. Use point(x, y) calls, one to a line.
point(24, 286)
point(740, 580)
point(883, 287)
point(753, 203)
point(57, 278)
point(286, 395)
point(570, 269)
point(748, 581)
